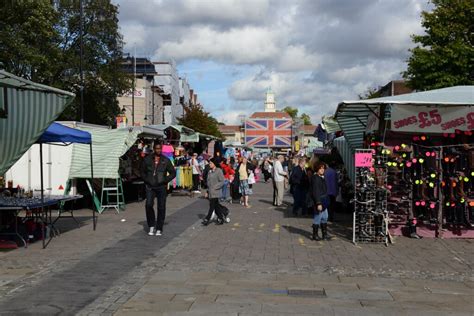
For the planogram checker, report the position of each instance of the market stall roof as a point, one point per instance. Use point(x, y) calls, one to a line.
point(147, 131)
point(187, 134)
point(352, 116)
point(57, 133)
point(330, 124)
point(210, 137)
point(26, 111)
point(108, 145)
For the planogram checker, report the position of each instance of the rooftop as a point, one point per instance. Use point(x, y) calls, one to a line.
point(277, 115)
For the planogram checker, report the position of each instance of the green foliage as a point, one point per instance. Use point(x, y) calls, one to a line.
point(293, 112)
point(196, 118)
point(39, 40)
point(306, 119)
point(370, 93)
point(444, 56)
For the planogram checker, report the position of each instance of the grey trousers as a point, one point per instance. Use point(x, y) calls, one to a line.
point(280, 191)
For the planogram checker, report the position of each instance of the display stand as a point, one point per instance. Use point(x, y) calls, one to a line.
point(370, 223)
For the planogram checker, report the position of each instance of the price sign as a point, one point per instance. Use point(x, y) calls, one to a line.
point(432, 119)
point(363, 159)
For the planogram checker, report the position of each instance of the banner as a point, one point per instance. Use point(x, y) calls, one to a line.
point(432, 119)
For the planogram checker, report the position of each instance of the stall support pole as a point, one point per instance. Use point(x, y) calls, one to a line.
point(440, 196)
point(43, 230)
point(94, 219)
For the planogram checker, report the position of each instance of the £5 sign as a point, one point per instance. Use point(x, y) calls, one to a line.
point(432, 119)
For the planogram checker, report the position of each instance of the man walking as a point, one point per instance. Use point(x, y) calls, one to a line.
point(156, 172)
point(279, 175)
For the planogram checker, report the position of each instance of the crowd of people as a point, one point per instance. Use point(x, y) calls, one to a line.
point(313, 184)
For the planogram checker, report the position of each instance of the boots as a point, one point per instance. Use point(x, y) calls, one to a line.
point(324, 230)
point(315, 232)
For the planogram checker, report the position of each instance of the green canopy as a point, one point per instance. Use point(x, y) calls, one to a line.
point(108, 145)
point(26, 110)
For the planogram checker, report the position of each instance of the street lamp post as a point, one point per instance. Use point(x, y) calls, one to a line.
point(81, 34)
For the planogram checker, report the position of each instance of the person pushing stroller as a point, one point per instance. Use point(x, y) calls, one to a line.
point(215, 182)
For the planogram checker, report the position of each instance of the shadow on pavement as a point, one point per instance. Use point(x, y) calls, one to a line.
point(299, 231)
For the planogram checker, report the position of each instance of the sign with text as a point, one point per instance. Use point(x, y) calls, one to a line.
point(363, 159)
point(139, 93)
point(432, 119)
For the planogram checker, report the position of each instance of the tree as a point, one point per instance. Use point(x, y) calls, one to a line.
point(306, 119)
point(291, 111)
point(444, 56)
point(196, 118)
point(370, 93)
point(39, 40)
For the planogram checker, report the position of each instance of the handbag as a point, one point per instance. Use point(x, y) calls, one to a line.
point(251, 179)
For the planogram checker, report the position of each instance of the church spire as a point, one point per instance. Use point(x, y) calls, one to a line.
point(270, 101)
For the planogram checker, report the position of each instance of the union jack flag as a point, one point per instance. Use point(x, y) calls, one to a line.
point(268, 133)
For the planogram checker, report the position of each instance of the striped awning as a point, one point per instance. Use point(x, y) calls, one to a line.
point(27, 110)
point(108, 145)
point(353, 121)
point(347, 156)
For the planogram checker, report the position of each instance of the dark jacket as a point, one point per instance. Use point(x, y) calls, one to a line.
point(160, 177)
point(298, 178)
point(319, 191)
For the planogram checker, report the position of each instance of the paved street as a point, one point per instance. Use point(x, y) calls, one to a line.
point(262, 263)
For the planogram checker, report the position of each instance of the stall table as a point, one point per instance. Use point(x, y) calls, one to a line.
point(16, 205)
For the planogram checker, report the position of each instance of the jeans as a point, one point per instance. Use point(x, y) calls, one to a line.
point(320, 217)
point(160, 194)
point(225, 189)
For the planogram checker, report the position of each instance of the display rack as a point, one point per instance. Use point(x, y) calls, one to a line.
point(370, 223)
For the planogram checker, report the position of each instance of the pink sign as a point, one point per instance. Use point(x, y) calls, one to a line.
point(363, 159)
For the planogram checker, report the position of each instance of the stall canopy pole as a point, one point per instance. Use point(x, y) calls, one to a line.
point(42, 196)
point(94, 219)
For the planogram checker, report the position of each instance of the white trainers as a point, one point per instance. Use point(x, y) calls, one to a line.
point(158, 233)
point(227, 219)
point(151, 232)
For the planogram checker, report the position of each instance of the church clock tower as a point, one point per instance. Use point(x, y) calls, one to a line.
point(270, 101)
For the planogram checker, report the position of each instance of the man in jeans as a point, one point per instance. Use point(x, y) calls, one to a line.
point(156, 171)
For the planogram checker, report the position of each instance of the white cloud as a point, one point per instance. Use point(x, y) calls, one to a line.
point(312, 53)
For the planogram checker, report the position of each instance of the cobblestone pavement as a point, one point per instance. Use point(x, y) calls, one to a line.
point(263, 262)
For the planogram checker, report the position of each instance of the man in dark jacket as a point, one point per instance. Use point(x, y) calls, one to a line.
point(299, 185)
point(156, 172)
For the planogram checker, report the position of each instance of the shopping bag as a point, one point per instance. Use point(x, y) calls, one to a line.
point(251, 178)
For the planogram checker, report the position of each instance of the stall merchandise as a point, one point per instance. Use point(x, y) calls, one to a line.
point(370, 223)
point(184, 178)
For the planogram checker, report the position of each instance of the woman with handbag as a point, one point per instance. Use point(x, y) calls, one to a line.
point(321, 201)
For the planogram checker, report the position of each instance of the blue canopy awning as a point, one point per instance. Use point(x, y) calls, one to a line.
point(58, 133)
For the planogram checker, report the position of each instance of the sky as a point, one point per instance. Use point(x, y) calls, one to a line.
point(312, 53)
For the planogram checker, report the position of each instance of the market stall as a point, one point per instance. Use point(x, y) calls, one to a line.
point(26, 110)
point(413, 158)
